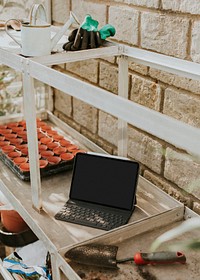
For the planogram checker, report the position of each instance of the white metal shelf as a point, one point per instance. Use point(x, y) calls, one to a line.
point(183, 68)
point(164, 127)
point(173, 131)
point(167, 128)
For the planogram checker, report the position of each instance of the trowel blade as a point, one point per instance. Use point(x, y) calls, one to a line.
point(94, 254)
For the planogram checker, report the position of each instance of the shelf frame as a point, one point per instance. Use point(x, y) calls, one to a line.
point(162, 126)
point(175, 132)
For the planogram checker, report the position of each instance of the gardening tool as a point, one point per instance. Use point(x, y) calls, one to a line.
point(35, 39)
point(106, 256)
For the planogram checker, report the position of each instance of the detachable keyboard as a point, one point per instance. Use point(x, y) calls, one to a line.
point(90, 217)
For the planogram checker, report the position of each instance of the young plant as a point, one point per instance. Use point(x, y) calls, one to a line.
point(187, 226)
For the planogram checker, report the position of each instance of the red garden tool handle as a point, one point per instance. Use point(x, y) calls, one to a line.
point(159, 258)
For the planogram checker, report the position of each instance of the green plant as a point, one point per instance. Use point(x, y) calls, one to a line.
point(187, 226)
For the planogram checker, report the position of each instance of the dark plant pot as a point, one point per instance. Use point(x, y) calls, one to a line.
point(17, 239)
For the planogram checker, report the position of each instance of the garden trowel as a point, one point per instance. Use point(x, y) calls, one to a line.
point(106, 256)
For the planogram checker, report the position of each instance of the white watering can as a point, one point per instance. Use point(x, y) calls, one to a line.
point(36, 36)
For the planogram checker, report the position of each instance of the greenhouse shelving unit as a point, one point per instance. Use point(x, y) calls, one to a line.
point(37, 201)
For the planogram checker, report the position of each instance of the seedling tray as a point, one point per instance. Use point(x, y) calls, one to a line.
point(47, 171)
point(64, 152)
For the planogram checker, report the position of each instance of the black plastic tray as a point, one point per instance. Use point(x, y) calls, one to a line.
point(50, 169)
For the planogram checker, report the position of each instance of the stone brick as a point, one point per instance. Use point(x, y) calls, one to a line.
point(125, 21)
point(67, 120)
point(183, 6)
point(139, 68)
point(182, 106)
point(145, 92)
point(97, 140)
point(109, 59)
point(85, 115)
point(108, 77)
point(108, 127)
point(62, 102)
point(164, 33)
point(87, 69)
point(196, 207)
point(97, 11)
point(143, 3)
point(104, 145)
point(60, 11)
point(15, 9)
point(195, 39)
point(144, 149)
point(175, 80)
point(163, 184)
point(183, 170)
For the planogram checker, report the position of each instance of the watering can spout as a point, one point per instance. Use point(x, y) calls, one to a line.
point(72, 19)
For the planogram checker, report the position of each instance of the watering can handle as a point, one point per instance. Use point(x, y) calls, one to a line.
point(38, 12)
point(8, 31)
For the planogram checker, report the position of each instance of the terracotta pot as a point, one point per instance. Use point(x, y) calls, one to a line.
point(25, 151)
point(10, 136)
point(42, 147)
point(22, 133)
point(24, 166)
point(14, 154)
point(0, 205)
point(72, 148)
point(67, 156)
point(46, 140)
point(12, 221)
point(41, 124)
point(16, 141)
point(21, 146)
point(5, 131)
point(46, 127)
point(46, 154)
point(43, 163)
point(41, 135)
point(4, 143)
point(3, 126)
point(20, 160)
point(65, 143)
point(18, 129)
point(7, 149)
point(53, 145)
point(54, 160)
point(25, 139)
point(22, 123)
point(52, 133)
point(12, 124)
point(58, 137)
point(59, 150)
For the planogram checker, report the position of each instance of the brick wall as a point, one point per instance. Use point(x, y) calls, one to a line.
point(164, 26)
